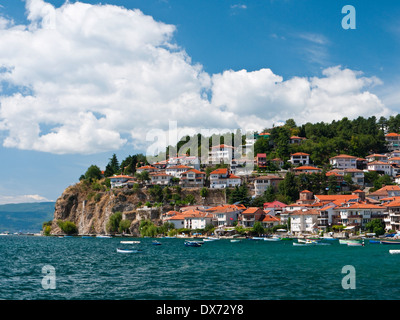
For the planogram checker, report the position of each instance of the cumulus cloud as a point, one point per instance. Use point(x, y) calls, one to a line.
point(29, 198)
point(88, 78)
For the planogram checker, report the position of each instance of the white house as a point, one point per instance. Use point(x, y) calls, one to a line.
point(160, 178)
point(343, 161)
point(300, 158)
point(119, 181)
point(192, 178)
point(262, 183)
point(384, 167)
point(304, 221)
point(221, 154)
point(221, 178)
point(392, 141)
point(195, 219)
point(177, 170)
point(377, 157)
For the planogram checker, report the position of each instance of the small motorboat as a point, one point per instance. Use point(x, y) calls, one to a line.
point(394, 251)
point(390, 242)
point(355, 244)
point(156, 243)
point(192, 244)
point(272, 239)
point(129, 242)
point(103, 236)
point(120, 250)
point(235, 240)
point(306, 243)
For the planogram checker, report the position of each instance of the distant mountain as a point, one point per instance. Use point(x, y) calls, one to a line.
point(25, 217)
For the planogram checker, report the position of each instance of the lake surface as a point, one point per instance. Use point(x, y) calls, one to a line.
point(91, 269)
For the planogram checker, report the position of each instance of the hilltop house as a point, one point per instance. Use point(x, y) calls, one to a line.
point(119, 181)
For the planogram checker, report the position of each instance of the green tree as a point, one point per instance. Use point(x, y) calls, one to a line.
point(124, 226)
point(112, 167)
point(93, 173)
point(203, 192)
point(114, 221)
point(258, 228)
point(376, 226)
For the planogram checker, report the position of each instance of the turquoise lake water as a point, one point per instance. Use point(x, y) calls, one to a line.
point(91, 269)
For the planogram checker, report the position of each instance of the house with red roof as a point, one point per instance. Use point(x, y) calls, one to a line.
point(177, 170)
point(392, 141)
point(118, 181)
point(192, 178)
point(270, 221)
point(275, 207)
point(343, 161)
point(160, 178)
point(357, 215)
point(248, 217)
point(222, 178)
point(300, 159)
point(379, 166)
point(226, 215)
point(307, 169)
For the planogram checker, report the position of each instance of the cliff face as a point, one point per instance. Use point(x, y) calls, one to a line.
point(90, 210)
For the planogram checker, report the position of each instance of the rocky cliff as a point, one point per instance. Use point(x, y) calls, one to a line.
point(91, 209)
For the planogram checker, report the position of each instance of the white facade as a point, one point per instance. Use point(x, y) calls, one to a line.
point(300, 158)
point(343, 162)
point(304, 221)
point(222, 153)
point(386, 168)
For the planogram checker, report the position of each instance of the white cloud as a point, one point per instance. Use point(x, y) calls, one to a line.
point(28, 198)
point(93, 78)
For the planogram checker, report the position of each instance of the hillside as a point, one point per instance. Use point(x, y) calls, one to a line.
point(90, 210)
point(25, 217)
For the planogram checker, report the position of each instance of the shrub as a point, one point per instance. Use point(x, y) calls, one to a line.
point(114, 221)
point(68, 227)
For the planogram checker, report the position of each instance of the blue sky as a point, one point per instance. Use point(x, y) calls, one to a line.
point(81, 81)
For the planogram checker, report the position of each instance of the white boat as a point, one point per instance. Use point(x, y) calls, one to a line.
point(119, 250)
point(355, 244)
point(346, 241)
point(212, 238)
point(306, 243)
point(235, 240)
point(394, 251)
point(273, 239)
point(103, 236)
point(129, 242)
